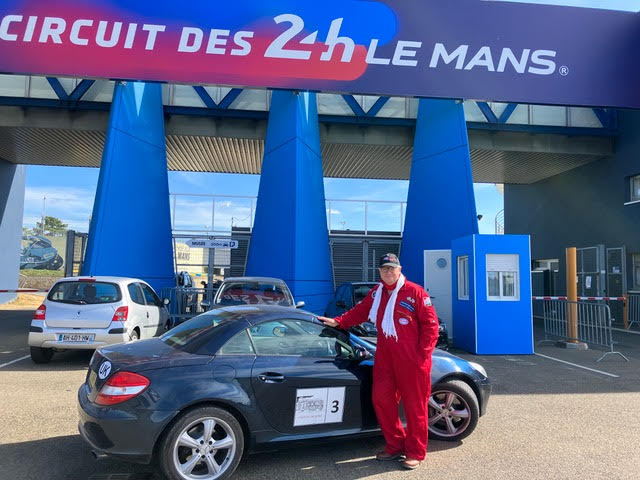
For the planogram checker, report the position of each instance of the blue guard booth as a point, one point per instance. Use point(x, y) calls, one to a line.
point(492, 294)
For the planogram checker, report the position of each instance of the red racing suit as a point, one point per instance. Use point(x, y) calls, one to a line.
point(402, 367)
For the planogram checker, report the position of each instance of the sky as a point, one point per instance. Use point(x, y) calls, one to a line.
point(68, 193)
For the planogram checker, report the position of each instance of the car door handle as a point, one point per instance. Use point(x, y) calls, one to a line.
point(147, 314)
point(269, 377)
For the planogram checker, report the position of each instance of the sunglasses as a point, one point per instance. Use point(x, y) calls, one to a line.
point(387, 269)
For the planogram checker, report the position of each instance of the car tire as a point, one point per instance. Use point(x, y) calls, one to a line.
point(134, 335)
point(57, 263)
point(453, 411)
point(41, 355)
point(196, 433)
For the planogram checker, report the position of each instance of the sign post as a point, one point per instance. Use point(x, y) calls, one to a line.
point(212, 243)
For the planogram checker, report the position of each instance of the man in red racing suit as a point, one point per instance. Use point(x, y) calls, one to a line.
point(407, 335)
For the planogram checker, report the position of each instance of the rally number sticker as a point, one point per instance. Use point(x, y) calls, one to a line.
point(316, 406)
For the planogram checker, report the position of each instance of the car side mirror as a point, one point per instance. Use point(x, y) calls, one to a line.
point(341, 304)
point(166, 301)
point(300, 304)
point(361, 353)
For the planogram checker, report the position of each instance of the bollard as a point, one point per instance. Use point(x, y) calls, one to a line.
point(572, 295)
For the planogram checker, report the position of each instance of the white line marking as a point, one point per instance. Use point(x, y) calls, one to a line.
point(579, 366)
point(625, 331)
point(14, 361)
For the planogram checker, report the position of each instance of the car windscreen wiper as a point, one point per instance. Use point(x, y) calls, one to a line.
point(75, 302)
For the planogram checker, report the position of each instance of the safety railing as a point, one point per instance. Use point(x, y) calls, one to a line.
point(593, 323)
point(633, 297)
point(219, 214)
point(185, 303)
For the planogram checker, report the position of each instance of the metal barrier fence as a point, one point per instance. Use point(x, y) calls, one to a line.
point(593, 321)
point(185, 303)
point(617, 307)
point(634, 308)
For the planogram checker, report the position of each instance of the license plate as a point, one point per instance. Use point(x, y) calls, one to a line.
point(92, 379)
point(76, 337)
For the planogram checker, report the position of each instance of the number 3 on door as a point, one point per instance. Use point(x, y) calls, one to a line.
point(335, 401)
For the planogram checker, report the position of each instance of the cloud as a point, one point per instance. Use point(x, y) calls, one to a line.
point(196, 213)
point(71, 205)
point(181, 179)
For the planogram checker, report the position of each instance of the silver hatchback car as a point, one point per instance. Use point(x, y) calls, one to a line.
point(89, 312)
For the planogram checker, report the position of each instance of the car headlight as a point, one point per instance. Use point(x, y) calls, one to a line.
point(478, 368)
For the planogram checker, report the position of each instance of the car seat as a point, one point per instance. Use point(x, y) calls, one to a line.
point(90, 292)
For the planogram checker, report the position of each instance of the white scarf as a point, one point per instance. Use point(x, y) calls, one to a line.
point(388, 325)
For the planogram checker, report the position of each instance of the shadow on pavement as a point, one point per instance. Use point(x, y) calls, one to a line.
point(64, 458)
point(68, 458)
point(555, 369)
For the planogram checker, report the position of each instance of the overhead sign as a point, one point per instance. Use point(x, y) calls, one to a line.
point(209, 243)
point(478, 49)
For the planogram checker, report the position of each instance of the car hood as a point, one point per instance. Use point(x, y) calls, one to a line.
point(443, 363)
point(148, 355)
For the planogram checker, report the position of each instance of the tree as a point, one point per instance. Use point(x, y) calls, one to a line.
point(52, 226)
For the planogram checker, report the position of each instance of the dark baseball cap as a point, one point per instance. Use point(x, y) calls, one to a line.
point(389, 260)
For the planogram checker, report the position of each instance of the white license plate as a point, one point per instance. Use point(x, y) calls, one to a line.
point(76, 337)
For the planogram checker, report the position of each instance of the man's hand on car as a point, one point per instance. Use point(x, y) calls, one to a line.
point(329, 322)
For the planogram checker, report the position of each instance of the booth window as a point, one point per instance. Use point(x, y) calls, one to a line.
point(463, 278)
point(634, 188)
point(503, 274)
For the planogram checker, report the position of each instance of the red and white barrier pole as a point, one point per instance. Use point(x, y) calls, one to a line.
point(24, 290)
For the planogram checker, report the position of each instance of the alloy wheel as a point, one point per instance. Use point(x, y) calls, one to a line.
point(204, 450)
point(449, 414)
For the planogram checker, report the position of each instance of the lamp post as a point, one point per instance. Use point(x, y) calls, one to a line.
point(44, 199)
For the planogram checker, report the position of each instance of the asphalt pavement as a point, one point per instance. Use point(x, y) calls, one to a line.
point(555, 415)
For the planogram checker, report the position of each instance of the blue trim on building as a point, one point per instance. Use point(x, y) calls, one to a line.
point(222, 111)
point(290, 239)
point(487, 112)
point(58, 88)
point(506, 113)
point(81, 89)
point(130, 231)
point(440, 203)
point(205, 97)
point(492, 327)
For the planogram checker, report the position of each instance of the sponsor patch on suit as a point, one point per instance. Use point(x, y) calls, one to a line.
point(408, 306)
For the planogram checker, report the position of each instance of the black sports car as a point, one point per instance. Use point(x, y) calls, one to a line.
point(246, 378)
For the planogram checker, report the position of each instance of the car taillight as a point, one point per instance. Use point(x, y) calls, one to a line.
point(121, 314)
point(41, 312)
point(121, 387)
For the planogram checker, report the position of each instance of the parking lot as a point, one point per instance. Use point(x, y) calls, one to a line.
point(547, 419)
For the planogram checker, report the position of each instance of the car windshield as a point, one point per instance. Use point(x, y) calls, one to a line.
point(34, 242)
point(253, 293)
point(201, 328)
point(83, 292)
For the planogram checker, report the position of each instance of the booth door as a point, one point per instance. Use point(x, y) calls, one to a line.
point(437, 283)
